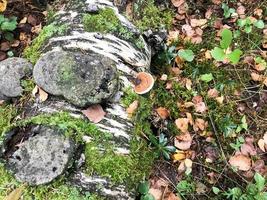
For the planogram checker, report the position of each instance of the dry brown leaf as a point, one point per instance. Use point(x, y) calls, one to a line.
point(94, 113)
point(256, 77)
point(241, 10)
point(241, 162)
point(177, 3)
point(3, 5)
point(213, 93)
point(178, 156)
point(183, 142)
point(220, 99)
point(187, 29)
point(261, 145)
point(248, 149)
point(182, 124)
point(132, 108)
point(42, 95)
point(208, 13)
point(217, 2)
point(15, 194)
point(23, 21)
point(156, 193)
point(260, 67)
point(2, 102)
point(200, 123)
point(201, 188)
point(265, 138)
point(188, 163)
point(188, 84)
point(181, 167)
point(163, 112)
point(198, 22)
point(200, 107)
point(190, 118)
point(183, 8)
point(172, 196)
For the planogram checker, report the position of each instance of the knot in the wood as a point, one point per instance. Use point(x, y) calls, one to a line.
point(83, 79)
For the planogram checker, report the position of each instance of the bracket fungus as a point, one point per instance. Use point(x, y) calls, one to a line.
point(144, 82)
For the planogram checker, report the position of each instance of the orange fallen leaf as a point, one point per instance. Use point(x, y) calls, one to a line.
point(163, 112)
point(177, 3)
point(241, 162)
point(261, 145)
point(3, 5)
point(183, 142)
point(182, 124)
point(156, 193)
point(198, 22)
point(200, 123)
point(132, 108)
point(178, 156)
point(213, 93)
point(172, 196)
point(42, 95)
point(220, 99)
point(94, 113)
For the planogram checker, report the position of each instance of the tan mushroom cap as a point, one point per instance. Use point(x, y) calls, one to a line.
point(144, 83)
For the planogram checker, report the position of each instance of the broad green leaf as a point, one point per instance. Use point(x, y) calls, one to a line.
point(237, 34)
point(143, 187)
point(259, 24)
point(260, 181)
point(234, 57)
point(186, 54)
point(215, 190)
point(218, 54)
point(148, 197)
point(241, 22)
point(227, 37)
point(248, 29)
point(8, 26)
point(170, 148)
point(206, 77)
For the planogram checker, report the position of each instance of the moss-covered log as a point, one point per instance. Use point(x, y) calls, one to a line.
point(90, 54)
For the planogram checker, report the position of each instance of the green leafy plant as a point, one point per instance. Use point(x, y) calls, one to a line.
point(6, 26)
point(186, 54)
point(260, 61)
point(227, 11)
point(243, 125)
point(253, 191)
point(206, 77)
point(185, 187)
point(161, 145)
point(143, 190)
point(247, 24)
point(220, 53)
point(239, 141)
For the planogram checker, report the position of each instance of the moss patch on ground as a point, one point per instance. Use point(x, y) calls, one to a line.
point(33, 52)
point(148, 16)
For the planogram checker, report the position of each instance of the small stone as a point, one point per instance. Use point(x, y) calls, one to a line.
point(12, 70)
point(80, 78)
point(41, 158)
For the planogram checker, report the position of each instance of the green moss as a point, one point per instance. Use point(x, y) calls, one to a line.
point(128, 169)
point(7, 113)
point(57, 190)
point(149, 16)
point(33, 52)
point(106, 21)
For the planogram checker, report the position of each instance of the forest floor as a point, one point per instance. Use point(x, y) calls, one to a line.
point(206, 116)
point(209, 102)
